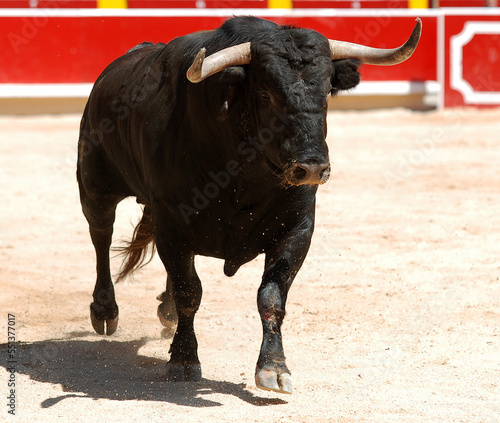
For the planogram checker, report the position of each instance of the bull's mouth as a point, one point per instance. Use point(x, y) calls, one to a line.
point(307, 173)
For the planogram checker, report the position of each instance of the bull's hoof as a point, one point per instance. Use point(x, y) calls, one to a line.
point(167, 316)
point(107, 326)
point(179, 372)
point(271, 380)
point(101, 323)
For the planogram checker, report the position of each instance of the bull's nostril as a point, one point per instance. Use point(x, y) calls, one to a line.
point(325, 172)
point(308, 173)
point(299, 173)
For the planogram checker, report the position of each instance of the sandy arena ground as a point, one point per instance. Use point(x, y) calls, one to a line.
point(395, 316)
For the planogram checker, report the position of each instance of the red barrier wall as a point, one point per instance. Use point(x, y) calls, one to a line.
point(63, 49)
point(237, 4)
point(66, 46)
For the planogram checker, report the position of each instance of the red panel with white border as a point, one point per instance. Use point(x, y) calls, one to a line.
point(472, 60)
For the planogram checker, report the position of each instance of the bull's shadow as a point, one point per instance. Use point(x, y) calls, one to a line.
point(115, 370)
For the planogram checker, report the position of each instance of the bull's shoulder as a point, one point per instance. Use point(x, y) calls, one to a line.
point(246, 27)
point(130, 71)
point(145, 52)
point(145, 44)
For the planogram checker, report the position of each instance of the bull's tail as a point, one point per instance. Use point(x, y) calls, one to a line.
point(135, 253)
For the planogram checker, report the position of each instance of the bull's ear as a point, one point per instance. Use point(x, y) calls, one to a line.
point(229, 80)
point(345, 75)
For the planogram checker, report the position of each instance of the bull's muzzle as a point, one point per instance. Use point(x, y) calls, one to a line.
point(308, 173)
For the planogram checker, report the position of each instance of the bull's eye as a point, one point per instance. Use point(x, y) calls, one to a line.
point(265, 98)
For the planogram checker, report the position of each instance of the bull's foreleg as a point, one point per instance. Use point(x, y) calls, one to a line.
point(184, 364)
point(99, 198)
point(99, 211)
point(282, 264)
point(103, 310)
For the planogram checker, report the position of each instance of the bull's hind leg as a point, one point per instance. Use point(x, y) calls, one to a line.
point(184, 364)
point(166, 310)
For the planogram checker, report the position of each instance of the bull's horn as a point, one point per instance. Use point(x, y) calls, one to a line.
point(232, 56)
point(377, 56)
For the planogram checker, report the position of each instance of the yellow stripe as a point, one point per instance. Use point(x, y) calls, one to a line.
point(112, 4)
point(279, 4)
point(418, 4)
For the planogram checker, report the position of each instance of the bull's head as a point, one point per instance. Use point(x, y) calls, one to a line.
point(289, 80)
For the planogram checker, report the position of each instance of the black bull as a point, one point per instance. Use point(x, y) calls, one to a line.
point(227, 167)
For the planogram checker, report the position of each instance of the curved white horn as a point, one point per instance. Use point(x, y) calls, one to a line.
point(204, 67)
point(377, 56)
